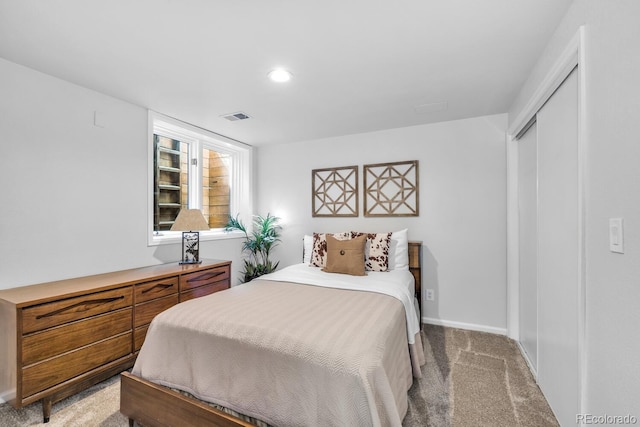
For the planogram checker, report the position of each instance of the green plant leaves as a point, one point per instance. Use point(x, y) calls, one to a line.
point(264, 236)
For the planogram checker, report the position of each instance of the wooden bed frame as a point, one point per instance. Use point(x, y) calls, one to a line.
point(153, 405)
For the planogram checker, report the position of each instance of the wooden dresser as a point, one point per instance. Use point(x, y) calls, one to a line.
point(62, 337)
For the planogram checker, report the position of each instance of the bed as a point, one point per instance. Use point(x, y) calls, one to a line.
point(300, 346)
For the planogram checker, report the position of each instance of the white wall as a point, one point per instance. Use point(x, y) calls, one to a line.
point(612, 66)
point(462, 218)
point(73, 196)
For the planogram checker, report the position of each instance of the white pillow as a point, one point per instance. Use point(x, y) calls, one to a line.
point(399, 250)
point(307, 249)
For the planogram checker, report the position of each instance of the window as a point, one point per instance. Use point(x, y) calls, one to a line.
point(196, 169)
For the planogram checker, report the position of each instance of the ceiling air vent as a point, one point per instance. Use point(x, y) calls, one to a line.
point(236, 116)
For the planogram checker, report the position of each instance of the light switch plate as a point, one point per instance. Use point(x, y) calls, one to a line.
point(616, 235)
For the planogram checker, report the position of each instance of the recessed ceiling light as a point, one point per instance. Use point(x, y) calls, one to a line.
point(280, 75)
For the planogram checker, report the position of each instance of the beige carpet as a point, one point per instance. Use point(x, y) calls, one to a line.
point(96, 406)
point(475, 379)
point(470, 379)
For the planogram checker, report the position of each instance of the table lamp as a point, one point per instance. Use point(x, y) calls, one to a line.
point(189, 221)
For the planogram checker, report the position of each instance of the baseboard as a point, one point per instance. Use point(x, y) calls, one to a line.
point(525, 356)
point(7, 395)
point(462, 325)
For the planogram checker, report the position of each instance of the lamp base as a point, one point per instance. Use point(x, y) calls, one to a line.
point(191, 262)
point(190, 247)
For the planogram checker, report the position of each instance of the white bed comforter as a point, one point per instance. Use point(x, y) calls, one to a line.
point(399, 284)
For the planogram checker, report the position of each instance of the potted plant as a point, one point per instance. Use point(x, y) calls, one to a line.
point(258, 243)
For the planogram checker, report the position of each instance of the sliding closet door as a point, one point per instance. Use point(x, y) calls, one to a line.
point(558, 251)
point(528, 243)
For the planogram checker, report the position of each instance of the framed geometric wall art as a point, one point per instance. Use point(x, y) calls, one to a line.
point(334, 192)
point(391, 189)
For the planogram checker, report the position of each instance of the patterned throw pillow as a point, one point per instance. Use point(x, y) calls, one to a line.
point(376, 250)
point(319, 254)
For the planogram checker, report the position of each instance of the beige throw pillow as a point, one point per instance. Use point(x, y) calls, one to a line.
point(345, 256)
point(319, 254)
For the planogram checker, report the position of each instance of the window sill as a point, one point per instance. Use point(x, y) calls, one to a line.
point(172, 237)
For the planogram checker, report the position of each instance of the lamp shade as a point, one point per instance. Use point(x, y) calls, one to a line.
point(190, 220)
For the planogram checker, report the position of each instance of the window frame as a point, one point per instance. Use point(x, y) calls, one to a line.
point(241, 194)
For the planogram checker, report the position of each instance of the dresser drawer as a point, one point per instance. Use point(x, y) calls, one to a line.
point(61, 339)
point(146, 311)
point(156, 289)
point(67, 310)
point(138, 337)
point(201, 278)
point(204, 290)
point(54, 371)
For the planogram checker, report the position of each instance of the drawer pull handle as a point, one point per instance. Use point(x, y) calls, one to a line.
point(74, 307)
point(206, 276)
point(159, 285)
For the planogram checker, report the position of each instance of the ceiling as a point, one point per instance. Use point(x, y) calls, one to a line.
point(358, 65)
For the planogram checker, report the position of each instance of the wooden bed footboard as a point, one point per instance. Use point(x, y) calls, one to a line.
point(155, 405)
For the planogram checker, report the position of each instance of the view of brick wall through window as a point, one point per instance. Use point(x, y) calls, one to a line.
point(171, 180)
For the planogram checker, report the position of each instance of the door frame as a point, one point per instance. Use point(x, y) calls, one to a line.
point(573, 56)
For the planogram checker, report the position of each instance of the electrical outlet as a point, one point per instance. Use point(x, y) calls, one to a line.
point(430, 295)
